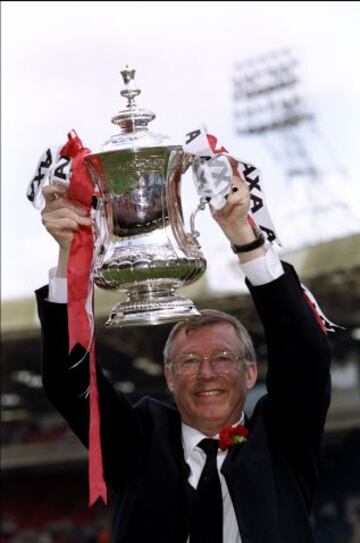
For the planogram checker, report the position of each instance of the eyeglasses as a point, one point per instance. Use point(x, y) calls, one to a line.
point(189, 363)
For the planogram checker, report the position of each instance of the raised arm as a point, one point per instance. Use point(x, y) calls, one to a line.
point(298, 377)
point(66, 377)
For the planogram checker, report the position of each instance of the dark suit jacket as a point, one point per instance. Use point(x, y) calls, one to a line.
point(271, 477)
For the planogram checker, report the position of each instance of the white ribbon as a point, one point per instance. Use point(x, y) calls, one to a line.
point(51, 168)
point(213, 169)
point(328, 325)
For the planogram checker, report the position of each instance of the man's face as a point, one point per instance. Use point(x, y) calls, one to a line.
point(208, 400)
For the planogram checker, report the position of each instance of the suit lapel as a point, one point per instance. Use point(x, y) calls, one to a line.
point(249, 476)
point(189, 493)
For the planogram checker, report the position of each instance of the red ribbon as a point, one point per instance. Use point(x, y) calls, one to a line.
point(315, 312)
point(212, 140)
point(80, 303)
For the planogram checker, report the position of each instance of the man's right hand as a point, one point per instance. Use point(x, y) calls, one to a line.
point(61, 218)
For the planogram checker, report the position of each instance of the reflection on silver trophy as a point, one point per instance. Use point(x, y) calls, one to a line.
point(145, 250)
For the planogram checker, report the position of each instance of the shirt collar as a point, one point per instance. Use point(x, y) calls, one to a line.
point(191, 436)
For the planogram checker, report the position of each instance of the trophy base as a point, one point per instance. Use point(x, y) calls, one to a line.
point(145, 313)
point(151, 302)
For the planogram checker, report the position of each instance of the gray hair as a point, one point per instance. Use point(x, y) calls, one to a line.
point(211, 316)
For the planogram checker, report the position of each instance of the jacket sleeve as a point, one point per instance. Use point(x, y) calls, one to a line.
point(66, 382)
point(298, 378)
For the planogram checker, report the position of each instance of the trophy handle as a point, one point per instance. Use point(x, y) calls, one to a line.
point(187, 160)
point(201, 206)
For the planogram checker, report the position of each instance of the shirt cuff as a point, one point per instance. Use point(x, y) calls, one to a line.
point(263, 269)
point(259, 271)
point(57, 288)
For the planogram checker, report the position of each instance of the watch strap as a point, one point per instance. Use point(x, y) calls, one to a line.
point(258, 242)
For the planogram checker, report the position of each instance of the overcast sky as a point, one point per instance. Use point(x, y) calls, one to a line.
point(60, 70)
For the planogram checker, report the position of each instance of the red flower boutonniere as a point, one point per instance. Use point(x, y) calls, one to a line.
point(232, 435)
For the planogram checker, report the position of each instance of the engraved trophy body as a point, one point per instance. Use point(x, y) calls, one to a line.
point(145, 250)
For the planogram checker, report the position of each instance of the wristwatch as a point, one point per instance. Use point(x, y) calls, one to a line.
point(258, 242)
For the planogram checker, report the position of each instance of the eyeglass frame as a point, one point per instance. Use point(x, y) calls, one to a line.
point(213, 367)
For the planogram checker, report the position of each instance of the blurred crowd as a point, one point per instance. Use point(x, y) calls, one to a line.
point(59, 531)
point(32, 431)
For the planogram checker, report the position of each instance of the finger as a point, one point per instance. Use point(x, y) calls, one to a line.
point(80, 221)
point(63, 203)
point(238, 186)
point(237, 181)
point(241, 198)
point(60, 227)
point(65, 212)
point(232, 190)
point(50, 192)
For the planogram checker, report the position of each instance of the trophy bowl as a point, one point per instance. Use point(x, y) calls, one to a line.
point(144, 250)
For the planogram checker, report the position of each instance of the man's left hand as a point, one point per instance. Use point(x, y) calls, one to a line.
point(233, 219)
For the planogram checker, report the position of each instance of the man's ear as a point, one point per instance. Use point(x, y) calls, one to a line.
point(169, 379)
point(251, 374)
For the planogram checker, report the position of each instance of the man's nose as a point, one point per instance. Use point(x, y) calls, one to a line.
point(206, 370)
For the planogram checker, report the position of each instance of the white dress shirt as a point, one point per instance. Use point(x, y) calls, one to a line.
point(259, 271)
point(195, 457)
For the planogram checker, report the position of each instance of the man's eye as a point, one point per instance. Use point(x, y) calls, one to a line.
point(189, 361)
point(222, 358)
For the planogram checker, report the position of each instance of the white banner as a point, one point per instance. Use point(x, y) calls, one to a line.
point(213, 169)
point(51, 169)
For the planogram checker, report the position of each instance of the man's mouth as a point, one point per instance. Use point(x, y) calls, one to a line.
point(209, 393)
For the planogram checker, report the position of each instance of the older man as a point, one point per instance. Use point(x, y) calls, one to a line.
point(171, 480)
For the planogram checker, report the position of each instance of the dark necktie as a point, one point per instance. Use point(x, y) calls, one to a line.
point(207, 520)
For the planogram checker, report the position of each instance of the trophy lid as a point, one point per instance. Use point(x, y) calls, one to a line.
point(133, 121)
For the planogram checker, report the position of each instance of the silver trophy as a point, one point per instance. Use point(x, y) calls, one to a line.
point(145, 250)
